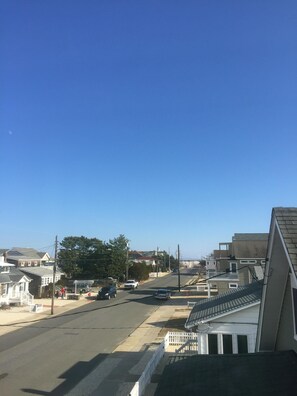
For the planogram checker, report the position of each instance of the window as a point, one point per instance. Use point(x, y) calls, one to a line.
point(212, 344)
point(248, 261)
point(233, 285)
point(227, 344)
point(242, 344)
point(3, 289)
point(233, 267)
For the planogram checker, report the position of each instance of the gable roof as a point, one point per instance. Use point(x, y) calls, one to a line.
point(225, 303)
point(23, 253)
point(16, 275)
point(4, 278)
point(40, 271)
point(286, 219)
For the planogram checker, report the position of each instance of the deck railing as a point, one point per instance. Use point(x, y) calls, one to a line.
point(188, 343)
point(145, 377)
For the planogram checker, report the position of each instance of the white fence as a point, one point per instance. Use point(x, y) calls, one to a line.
point(175, 338)
point(188, 341)
point(145, 377)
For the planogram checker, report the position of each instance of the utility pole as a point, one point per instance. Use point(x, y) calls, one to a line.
point(169, 260)
point(54, 275)
point(127, 262)
point(178, 261)
point(157, 262)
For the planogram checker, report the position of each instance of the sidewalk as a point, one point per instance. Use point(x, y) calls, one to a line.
point(17, 317)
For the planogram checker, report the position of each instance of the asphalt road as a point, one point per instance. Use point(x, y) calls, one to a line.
point(54, 355)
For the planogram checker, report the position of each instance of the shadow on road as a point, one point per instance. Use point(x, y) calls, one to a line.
point(72, 377)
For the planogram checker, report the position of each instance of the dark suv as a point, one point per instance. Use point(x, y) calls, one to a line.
point(107, 292)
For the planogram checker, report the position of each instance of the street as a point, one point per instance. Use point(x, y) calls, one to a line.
point(52, 356)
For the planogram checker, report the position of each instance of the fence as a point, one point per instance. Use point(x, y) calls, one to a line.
point(145, 377)
point(187, 341)
point(175, 338)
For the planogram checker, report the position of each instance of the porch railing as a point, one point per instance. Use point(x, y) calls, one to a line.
point(179, 338)
point(22, 298)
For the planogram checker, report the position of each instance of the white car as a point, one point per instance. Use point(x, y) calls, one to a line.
point(162, 294)
point(131, 284)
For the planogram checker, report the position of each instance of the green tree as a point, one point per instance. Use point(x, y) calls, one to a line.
point(118, 248)
point(90, 258)
point(76, 255)
point(139, 271)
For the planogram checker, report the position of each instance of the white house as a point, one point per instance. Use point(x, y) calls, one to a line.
point(14, 285)
point(227, 323)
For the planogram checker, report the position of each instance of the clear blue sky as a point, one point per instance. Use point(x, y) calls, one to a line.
point(168, 121)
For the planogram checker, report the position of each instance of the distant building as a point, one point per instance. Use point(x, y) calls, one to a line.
point(41, 277)
point(190, 263)
point(26, 257)
point(239, 262)
point(141, 256)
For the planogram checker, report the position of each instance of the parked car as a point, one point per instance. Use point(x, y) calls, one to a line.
point(162, 294)
point(107, 292)
point(131, 284)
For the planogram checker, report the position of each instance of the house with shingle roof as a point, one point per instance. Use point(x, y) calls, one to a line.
point(141, 256)
point(227, 323)
point(26, 257)
point(278, 312)
point(14, 285)
point(41, 278)
point(23, 257)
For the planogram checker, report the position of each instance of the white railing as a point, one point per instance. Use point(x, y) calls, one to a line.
point(175, 338)
point(187, 341)
point(22, 298)
point(4, 299)
point(26, 298)
point(191, 346)
point(145, 377)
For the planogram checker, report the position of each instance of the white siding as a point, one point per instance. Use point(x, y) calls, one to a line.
point(244, 322)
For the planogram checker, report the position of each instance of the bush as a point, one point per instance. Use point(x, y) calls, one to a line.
point(139, 271)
